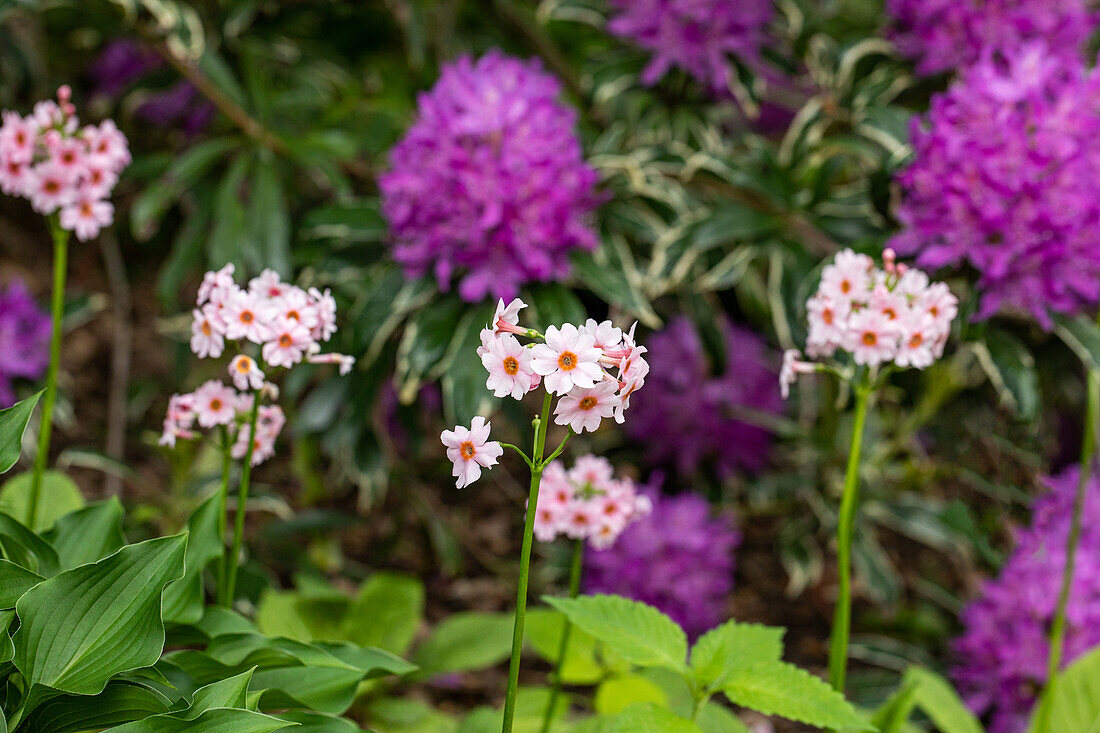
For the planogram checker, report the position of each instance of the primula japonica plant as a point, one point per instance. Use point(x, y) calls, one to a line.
point(574, 363)
point(866, 322)
point(272, 326)
point(67, 172)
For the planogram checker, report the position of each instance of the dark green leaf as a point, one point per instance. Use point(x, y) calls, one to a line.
point(183, 599)
point(13, 422)
point(25, 548)
point(14, 582)
point(120, 702)
point(88, 534)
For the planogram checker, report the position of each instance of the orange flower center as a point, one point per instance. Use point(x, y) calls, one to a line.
point(285, 340)
point(845, 287)
point(567, 360)
point(870, 339)
point(890, 313)
point(52, 186)
point(467, 450)
point(86, 209)
point(215, 404)
point(916, 341)
point(244, 366)
point(587, 403)
point(511, 366)
point(247, 317)
point(294, 315)
point(206, 328)
point(827, 316)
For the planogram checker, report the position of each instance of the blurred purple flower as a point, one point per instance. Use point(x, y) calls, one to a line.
point(947, 34)
point(119, 64)
point(178, 106)
point(684, 416)
point(24, 339)
point(1002, 655)
point(1003, 180)
point(490, 180)
point(678, 558)
point(697, 36)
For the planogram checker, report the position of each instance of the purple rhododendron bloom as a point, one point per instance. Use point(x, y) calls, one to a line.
point(489, 183)
point(947, 34)
point(697, 36)
point(24, 339)
point(1002, 656)
point(685, 417)
point(1004, 180)
point(121, 63)
point(678, 558)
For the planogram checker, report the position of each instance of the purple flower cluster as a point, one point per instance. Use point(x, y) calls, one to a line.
point(697, 36)
point(1004, 179)
point(686, 417)
point(677, 558)
point(490, 180)
point(1002, 656)
point(24, 339)
point(946, 34)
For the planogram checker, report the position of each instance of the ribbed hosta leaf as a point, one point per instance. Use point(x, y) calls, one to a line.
point(119, 702)
point(88, 534)
point(14, 582)
point(183, 599)
point(13, 421)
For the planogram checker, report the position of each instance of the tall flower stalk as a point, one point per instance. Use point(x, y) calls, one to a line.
point(574, 363)
point(867, 321)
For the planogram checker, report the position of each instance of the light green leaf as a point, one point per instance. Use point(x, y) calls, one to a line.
point(120, 702)
point(218, 720)
point(232, 692)
point(617, 693)
point(88, 534)
point(938, 700)
point(714, 718)
point(311, 722)
point(543, 630)
point(278, 614)
point(25, 548)
point(13, 422)
point(184, 598)
point(1074, 698)
point(783, 689)
point(7, 650)
point(14, 582)
point(386, 613)
point(651, 718)
point(466, 641)
point(80, 628)
point(403, 715)
point(640, 634)
point(59, 496)
point(722, 650)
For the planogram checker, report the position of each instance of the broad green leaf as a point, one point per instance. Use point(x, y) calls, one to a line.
point(640, 634)
point(151, 205)
point(352, 221)
point(1082, 336)
point(184, 598)
point(893, 715)
point(7, 649)
point(120, 702)
point(218, 720)
point(232, 692)
point(1011, 370)
point(425, 345)
point(777, 688)
point(59, 496)
point(278, 614)
point(404, 715)
point(726, 648)
point(938, 700)
point(25, 548)
point(463, 382)
point(714, 718)
point(386, 613)
point(14, 582)
point(85, 625)
point(268, 216)
point(13, 422)
point(651, 718)
point(1074, 698)
point(311, 722)
point(466, 641)
point(543, 629)
point(617, 693)
point(531, 703)
point(88, 534)
point(322, 688)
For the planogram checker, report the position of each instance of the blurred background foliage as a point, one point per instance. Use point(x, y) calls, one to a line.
point(718, 209)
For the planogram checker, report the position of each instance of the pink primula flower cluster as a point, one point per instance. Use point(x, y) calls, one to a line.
point(587, 502)
point(594, 369)
point(892, 314)
point(61, 167)
point(281, 321)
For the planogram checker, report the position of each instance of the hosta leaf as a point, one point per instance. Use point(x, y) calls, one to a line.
point(85, 625)
point(640, 634)
point(59, 496)
point(731, 646)
point(218, 720)
point(183, 599)
point(13, 422)
point(7, 650)
point(466, 641)
point(25, 548)
point(776, 688)
point(651, 718)
point(14, 582)
point(120, 702)
point(88, 534)
point(1074, 703)
point(938, 700)
point(311, 722)
point(386, 613)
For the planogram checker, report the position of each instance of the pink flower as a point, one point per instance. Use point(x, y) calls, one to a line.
point(245, 373)
point(49, 188)
point(583, 408)
point(848, 277)
point(207, 333)
point(69, 157)
point(290, 340)
point(606, 336)
point(217, 285)
point(828, 321)
point(325, 306)
point(215, 404)
point(247, 316)
point(86, 217)
point(792, 367)
point(107, 145)
point(579, 520)
point(633, 370)
point(509, 367)
point(470, 450)
point(344, 361)
point(506, 317)
point(269, 285)
point(179, 419)
point(98, 181)
point(15, 177)
point(17, 138)
point(592, 470)
point(296, 305)
point(873, 337)
point(568, 359)
point(917, 347)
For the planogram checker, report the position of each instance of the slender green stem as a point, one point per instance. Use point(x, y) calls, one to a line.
point(519, 450)
point(223, 519)
point(242, 502)
point(539, 449)
point(842, 615)
point(42, 457)
point(1058, 624)
point(560, 448)
point(566, 632)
